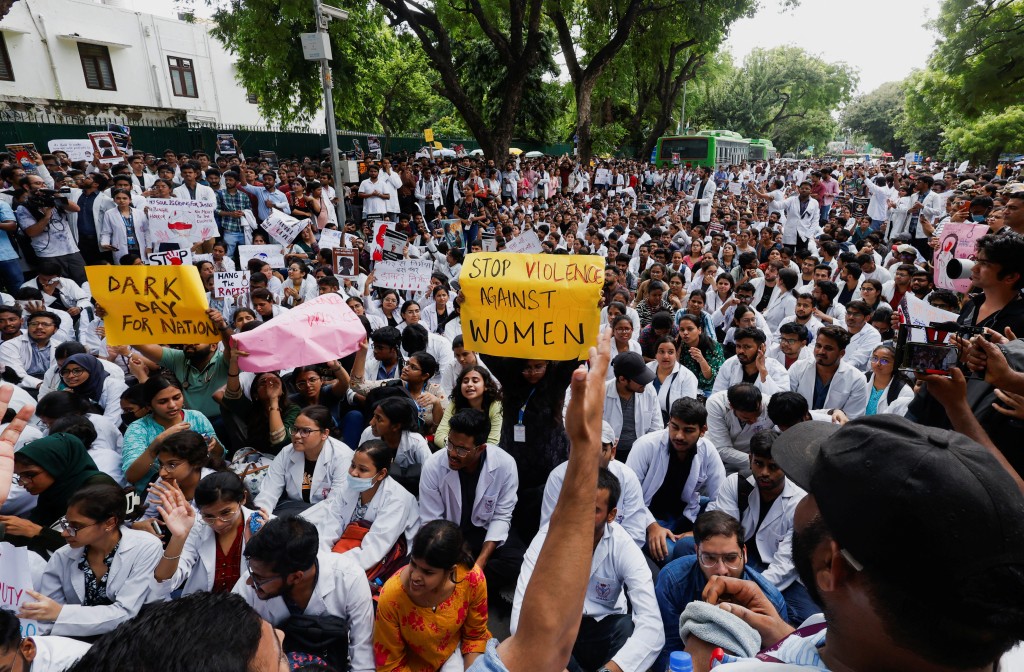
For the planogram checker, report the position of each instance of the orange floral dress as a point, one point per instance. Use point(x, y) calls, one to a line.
point(419, 639)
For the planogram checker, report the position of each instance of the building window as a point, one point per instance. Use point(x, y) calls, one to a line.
point(250, 96)
point(183, 77)
point(6, 71)
point(99, 73)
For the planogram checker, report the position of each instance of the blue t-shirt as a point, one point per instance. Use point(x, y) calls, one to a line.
point(7, 252)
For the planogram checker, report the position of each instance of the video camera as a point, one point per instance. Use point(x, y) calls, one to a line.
point(49, 198)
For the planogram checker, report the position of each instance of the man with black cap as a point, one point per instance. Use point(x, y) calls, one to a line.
point(883, 491)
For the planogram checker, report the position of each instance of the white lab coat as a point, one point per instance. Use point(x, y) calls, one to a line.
point(17, 354)
point(858, 352)
point(196, 566)
point(70, 294)
point(632, 512)
point(649, 460)
point(114, 233)
point(681, 383)
point(774, 537)
point(412, 448)
point(286, 472)
point(813, 324)
point(56, 654)
point(705, 202)
point(646, 412)
point(731, 437)
point(731, 373)
point(776, 353)
point(631, 313)
point(438, 347)
point(617, 568)
point(934, 206)
point(341, 590)
point(848, 390)
point(392, 512)
point(203, 193)
point(441, 493)
point(130, 585)
point(780, 306)
point(898, 406)
point(308, 291)
point(796, 225)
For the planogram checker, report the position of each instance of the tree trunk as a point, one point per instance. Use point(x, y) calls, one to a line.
point(584, 120)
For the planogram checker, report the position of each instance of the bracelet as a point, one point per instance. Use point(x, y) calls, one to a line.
point(167, 557)
point(230, 373)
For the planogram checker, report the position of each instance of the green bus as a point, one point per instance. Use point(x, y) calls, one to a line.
point(706, 148)
point(762, 149)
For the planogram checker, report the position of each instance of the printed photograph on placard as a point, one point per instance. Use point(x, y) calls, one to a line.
point(346, 262)
point(226, 144)
point(453, 234)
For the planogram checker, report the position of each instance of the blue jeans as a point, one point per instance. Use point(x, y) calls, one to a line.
point(11, 275)
point(823, 213)
point(233, 240)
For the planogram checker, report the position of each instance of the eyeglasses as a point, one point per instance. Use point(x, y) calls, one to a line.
point(71, 528)
point(259, 583)
point(789, 341)
point(881, 361)
point(307, 383)
point(209, 519)
point(456, 450)
point(730, 560)
point(72, 373)
point(37, 323)
point(171, 466)
point(536, 368)
point(23, 478)
point(303, 432)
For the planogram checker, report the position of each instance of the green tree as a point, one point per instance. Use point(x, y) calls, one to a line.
point(876, 115)
point(984, 138)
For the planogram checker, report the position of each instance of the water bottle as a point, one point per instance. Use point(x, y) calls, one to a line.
point(680, 661)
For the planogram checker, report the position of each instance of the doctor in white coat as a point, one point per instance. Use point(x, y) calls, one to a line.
point(38, 653)
point(845, 389)
point(734, 417)
point(701, 196)
point(864, 338)
point(751, 360)
point(677, 381)
point(782, 302)
point(801, 217)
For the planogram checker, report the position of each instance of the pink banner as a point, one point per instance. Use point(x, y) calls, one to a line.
point(958, 241)
point(318, 331)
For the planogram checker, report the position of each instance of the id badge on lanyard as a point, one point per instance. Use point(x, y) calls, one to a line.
point(519, 431)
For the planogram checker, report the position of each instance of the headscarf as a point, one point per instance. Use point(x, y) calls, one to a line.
point(92, 388)
point(65, 458)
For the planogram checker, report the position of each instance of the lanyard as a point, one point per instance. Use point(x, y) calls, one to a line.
point(522, 409)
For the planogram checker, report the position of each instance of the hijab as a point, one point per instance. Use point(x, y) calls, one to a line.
point(92, 388)
point(67, 460)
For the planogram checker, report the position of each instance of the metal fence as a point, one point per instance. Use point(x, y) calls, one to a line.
point(156, 135)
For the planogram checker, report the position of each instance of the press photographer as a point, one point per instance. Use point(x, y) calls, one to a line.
point(44, 217)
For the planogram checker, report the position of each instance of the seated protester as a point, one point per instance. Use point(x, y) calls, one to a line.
point(631, 513)
point(384, 307)
point(133, 406)
point(719, 552)
point(620, 306)
point(699, 352)
point(440, 311)
point(623, 337)
point(63, 412)
point(474, 388)
point(184, 460)
point(31, 354)
point(863, 336)
point(826, 308)
point(671, 380)
point(314, 389)
point(791, 346)
point(786, 409)
point(433, 614)
point(372, 518)
point(52, 379)
point(51, 469)
point(662, 325)
point(416, 338)
point(308, 469)
point(85, 376)
point(613, 631)
point(828, 382)
point(473, 485)
point(750, 364)
point(451, 372)
point(299, 287)
point(394, 421)
point(734, 417)
point(205, 557)
point(417, 370)
point(103, 576)
point(296, 586)
point(676, 467)
point(803, 314)
point(881, 320)
point(264, 411)
point(31, 300)
point(167, 416)
point(889, 390)
point(383, 360)
point(39, 653)
point(850, 277)
point(744, 296)
point(764, 503)
point(264, 305)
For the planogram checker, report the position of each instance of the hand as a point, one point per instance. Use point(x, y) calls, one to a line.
point(100, 311)
point(762, 368)
point(178, 514)
point(839, 418)
point(586, 404)
point(74, 311)
point(697, 355)
point(951, 392)
point(745, 599)
point(173, 429)
point(217, 318)
point(657, 545)
point(43, 609)
point(264, 517)
point(273, 388)
point(1012, 404)
point(235, 352)
point(20, 526)
point(9, 437)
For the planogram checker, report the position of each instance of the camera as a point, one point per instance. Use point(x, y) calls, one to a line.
point(49, 198)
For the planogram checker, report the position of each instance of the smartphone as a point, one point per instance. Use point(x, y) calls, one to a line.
point(929, 358)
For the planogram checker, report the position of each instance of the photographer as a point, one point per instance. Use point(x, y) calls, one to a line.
point(44, 218)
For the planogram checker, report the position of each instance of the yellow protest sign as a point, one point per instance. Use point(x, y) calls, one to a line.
point(438, 145)
point(428, 134)
point(152, 304)
point(532, 306)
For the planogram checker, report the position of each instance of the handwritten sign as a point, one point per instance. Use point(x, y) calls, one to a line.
point(269, 253)
point(77, 150)
point(184, 222)
point(403, 274)
point(284, 228)
point(330, 238)
point(171, 258)
point(918, 313)
point(15, 582)
point(958, 241)
point(230, 283)
point(526, 242)
point(319, 330)
point(532, 306)
point(152, 304)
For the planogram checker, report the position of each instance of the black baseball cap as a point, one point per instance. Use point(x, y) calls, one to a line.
point(630, 365)
point(890, 489)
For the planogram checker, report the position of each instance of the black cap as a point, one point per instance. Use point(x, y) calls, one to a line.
point(890, 490)
point(630, 365)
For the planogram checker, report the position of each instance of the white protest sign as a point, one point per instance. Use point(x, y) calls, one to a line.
point(377, 244)
point(527, 243)
point(283, 228)
point(77, 150)
point(330, 238)
point(184, 222)
point(403, 274)
point(269, 253)
point(15, 582)
point(230, 283)
point(170, 258)
point(918, 313)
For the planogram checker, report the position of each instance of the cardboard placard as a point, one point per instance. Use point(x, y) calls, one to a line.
point(230, 283)
point(346, 262)
point(403, 274)
point(183, 222)
point(104, 147)
point(284, 228)
point(958, 241)
point(171, 257)
point(271, 254)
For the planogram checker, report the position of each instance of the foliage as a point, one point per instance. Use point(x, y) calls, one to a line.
point(984, 138)
point(875, 116)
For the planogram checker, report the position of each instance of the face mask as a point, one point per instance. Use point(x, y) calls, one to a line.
point(978, 218)
point(127, 418)
point(358, 484)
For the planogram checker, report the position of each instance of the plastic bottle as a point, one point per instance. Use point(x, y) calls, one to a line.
point(680, 661)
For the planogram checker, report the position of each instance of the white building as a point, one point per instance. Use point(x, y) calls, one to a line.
point(81, 57)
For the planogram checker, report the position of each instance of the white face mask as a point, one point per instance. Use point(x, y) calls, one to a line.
point(357, 484)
